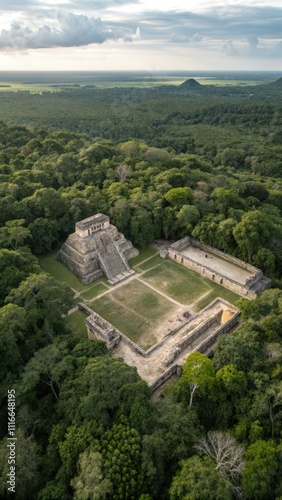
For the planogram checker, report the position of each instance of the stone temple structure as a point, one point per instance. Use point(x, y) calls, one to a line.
point(96, 248)
point(222, 268)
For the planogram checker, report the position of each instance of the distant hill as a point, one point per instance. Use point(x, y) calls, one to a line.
point(190, 84)
point(277, 84)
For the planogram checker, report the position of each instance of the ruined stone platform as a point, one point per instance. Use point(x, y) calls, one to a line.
point(166, 358)
point(96, 249)
point(222, 268)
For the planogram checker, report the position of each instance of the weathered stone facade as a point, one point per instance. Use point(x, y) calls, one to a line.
point(96, 249)
point(166, 358)
point(228, 271)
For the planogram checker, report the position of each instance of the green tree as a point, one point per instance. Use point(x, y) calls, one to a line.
point(197, 374)
point(121, 451)
point(90, 484)
point(188, 215)
point(177, 426)
point(241, 349)
point(13, 329)
point(98, 392)
point(169, 222)
point(116, 191)
point(44, 234)
point(231, 388)
point(206, 229)
point(262, 465)
point(224, 236)
point(265, 260)
point(141, 228)
point(78, 439)
point(268, 404)
point(13, 234)
point(121, 216)
point(27, 467)
point(224, 199)
point(178, 197)
point(154, 457)
point(45, 296)
point(44, 300)
point(48, 368)
point(252, 233)
point(198, 479)
point(15, 266)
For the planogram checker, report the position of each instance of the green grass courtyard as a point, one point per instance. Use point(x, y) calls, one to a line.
point(139, 307)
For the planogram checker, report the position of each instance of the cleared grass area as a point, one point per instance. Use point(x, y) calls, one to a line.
point(51, 265)
point(95, 290)
point(26, 87)
point(217, 291)
point(177, 281)
point(76, 322)
point(135, 310)
point(143, 255)
point(154, 261)
point(182, 284)
point(227, 83)
point(79, 82)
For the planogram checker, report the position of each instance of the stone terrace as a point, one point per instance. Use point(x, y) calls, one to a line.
point(165, 358)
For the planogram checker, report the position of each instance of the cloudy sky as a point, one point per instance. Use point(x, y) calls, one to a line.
point(141, 35)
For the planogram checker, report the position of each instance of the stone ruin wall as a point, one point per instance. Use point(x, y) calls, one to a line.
point(174, 253)
point(205, 348)
point(84, 254)
point(206, 272)
point(100, 329)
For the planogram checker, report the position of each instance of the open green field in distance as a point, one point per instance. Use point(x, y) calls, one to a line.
point(146, 84)
point(28, 87)
point(40, 82)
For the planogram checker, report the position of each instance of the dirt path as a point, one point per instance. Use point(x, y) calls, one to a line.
point(74, 309)
point(145, 260)
point(198, 299)
point(112, 289)
point(161, 293)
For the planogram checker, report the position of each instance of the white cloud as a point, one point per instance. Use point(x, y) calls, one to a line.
point(71, 31)
point(196, 38)
point(229, 49)
point(194, 32)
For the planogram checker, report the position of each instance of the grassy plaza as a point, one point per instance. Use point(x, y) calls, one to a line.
point(140, 307)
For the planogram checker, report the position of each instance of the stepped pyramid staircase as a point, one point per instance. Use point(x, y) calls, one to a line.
point(111, 259)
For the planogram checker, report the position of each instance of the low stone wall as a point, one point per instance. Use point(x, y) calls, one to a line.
point(189, 338)
point(170, 334)
point(103, 329)
point(255, 284)
point(173, 370)
point(209, 273)
point(181, 244)
point(84, 308)
point(222, 255)
point(225, 328)
point(177, 368)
